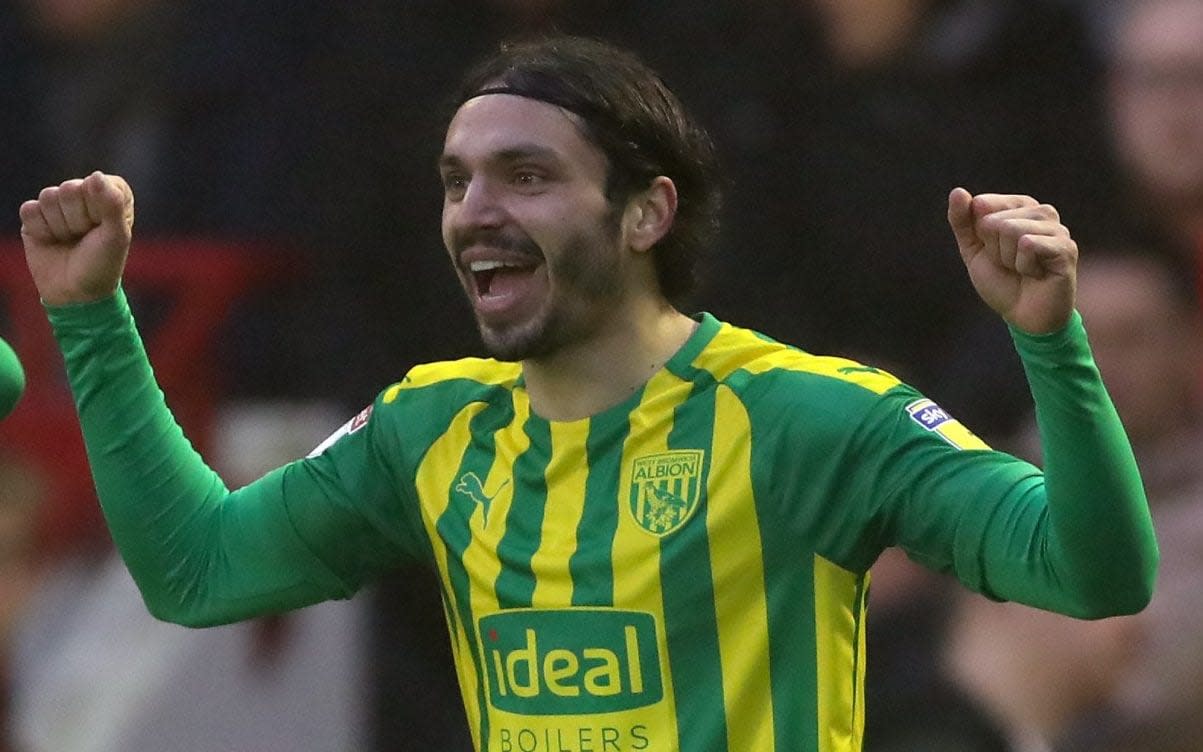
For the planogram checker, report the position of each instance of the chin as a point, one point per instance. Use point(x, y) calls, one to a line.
point(515, 343)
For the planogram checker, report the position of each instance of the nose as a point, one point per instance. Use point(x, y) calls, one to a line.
point(480, 205)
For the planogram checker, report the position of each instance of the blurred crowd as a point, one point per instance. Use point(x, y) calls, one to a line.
point(287, 265)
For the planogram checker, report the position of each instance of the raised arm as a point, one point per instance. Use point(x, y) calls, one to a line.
point(200, 553)
point(1096, 542)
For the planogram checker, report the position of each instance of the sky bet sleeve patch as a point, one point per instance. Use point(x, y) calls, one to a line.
point(935, 419)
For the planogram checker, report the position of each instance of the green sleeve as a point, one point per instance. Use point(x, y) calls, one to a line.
point(1077, 538)
point(200, 553)
point(12, 379)
point(1099, 533)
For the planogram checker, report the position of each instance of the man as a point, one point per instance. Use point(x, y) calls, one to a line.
point(1154, 55)
point(652, 531)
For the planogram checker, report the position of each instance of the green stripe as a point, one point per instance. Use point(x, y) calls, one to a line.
point(688, 588)
point(599, 519)
point(515, 585)
point(453, 529)
point(861, 606)
point(452, 622)
point(790, 585)
point(789, 578)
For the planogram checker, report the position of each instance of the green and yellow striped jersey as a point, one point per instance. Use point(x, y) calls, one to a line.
point(686, 570)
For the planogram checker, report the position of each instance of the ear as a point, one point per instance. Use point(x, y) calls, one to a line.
point(650, 214)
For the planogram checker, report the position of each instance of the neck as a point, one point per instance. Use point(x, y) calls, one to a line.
point(590, 376)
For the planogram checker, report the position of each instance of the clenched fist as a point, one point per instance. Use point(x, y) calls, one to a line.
point(77, 237)
point(1021, 259)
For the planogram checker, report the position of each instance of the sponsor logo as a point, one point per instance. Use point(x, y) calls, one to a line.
point(928, 414)
point(665, 489)
point(937, 420)
point(577, 739)
point(571, 661)
point(469, 485)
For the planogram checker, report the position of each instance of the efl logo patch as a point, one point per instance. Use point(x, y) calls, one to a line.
point(665, 489)
point(350, 427)
point(935, 419)
point(361, 420)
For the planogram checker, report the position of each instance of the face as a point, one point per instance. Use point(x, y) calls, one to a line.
point(1144, 342)
point(1157, 95)
point(537, 245)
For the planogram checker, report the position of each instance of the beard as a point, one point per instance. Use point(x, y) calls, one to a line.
point(585, 282)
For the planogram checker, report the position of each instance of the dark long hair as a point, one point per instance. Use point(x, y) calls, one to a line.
point(636, 121)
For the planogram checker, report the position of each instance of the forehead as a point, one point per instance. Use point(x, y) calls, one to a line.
point(497, 124)
point(1163, 28)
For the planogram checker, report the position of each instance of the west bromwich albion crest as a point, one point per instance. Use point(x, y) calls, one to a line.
point(665, 489)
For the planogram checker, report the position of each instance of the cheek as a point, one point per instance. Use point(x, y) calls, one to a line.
point(445, 226)
point(569, 228)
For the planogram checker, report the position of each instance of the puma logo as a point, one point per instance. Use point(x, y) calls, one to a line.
point(471, 486)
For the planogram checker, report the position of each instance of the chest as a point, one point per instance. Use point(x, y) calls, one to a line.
point(581, 512)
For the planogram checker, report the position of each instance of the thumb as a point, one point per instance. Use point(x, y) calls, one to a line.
point(960, 219)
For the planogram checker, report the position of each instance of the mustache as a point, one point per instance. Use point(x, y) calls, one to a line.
point(511, 241)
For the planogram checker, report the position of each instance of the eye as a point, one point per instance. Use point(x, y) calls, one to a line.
point(529, 180)
point(455, 184)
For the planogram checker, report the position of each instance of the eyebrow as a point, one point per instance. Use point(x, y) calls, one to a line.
point(514, 153)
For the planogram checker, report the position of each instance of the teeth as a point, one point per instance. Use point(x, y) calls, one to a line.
point(484, 266)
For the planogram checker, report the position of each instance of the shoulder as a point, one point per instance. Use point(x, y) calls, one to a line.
point(423, 404)
point(464, 373)
point(467, 380)
point(752, 364)
point(437, 391)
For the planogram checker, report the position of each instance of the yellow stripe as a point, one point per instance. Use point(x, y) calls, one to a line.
point(565, 477)
point(961, 437)
point(434, 477)
point(476, 369)
point(480, 558)
point(858, 710)
point(734, 349)
point(636, 552)
point(839, 626)
point(836, 368)
point(740, 606)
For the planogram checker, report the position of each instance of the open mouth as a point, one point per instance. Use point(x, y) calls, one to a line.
point(494, 278)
